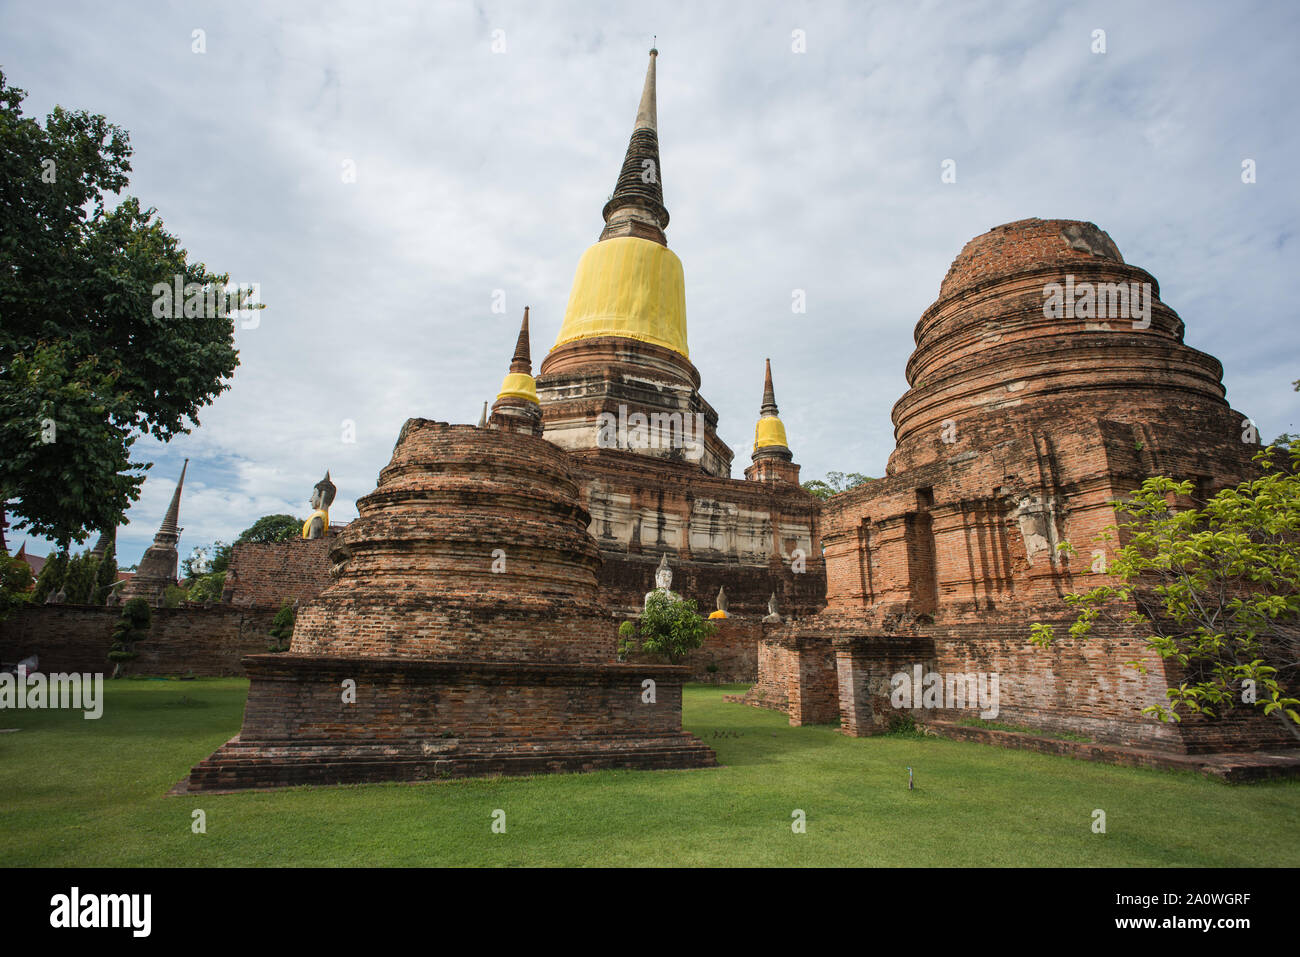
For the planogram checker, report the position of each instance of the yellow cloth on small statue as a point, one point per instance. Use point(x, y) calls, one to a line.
point(324, 517)
point(628, 287)
point(718, 614)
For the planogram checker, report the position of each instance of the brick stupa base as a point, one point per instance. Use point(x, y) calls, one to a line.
point(461, 637)
point(419, 721)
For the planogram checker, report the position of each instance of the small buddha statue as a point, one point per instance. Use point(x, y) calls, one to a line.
point(773, 616)
point(663, 582)
point(322, 497)
point(721, 611)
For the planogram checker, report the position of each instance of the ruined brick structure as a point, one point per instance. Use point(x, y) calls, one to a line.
point(1023, 421)
point(464, 616)
point(158, 567)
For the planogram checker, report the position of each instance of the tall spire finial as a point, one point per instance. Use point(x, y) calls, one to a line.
point(647, 114)
point(637, 206)
point(170, 531)
point(522, 360)
point(769, 396)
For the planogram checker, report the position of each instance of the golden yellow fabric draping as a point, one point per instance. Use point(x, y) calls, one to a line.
point(519, 385)
point(324, 517)
point(769, 431)
point(631, 288)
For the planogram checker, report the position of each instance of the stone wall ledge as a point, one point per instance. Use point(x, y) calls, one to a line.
point(293, 666)
point(1226, 766)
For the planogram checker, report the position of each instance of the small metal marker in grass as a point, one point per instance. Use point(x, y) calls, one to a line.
point(910, 785)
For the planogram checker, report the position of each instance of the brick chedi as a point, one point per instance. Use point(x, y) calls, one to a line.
point(773, 461)
point(516, 408)
point(464, 620)
point(619, 392)
point(1048, 380)
point(160, 562)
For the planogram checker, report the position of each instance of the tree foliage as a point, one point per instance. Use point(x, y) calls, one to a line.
point(271, 528)
point(206, 588)
point(668, 629)
point(282, 628)
point(50, 579)
point(1215, 588)
point(79, 581)
point(834, 483)
point(105, 575)
point(85, 365)
point(131, 628)
point(15, 584)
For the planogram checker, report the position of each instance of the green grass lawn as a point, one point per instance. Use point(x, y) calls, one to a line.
point(76, 792)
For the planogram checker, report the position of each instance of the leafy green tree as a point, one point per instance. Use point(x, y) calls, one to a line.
point(131, 628)
point(834, 483)
point(50, 579)
point(271, 528)
point(86, 366)
point(206, 569)
point(1215, 588)
point(206, 560)
point(206, 588)
point(667, 629)
point(282, 628)
point(15, 584)
point(105, 575)
point(79, 582)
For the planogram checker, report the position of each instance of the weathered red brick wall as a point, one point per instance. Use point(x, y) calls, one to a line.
point(420, 720)
point(772, 688)
point(865, 672)
point(274, 573)
point(425, 699)
point(664, 502)
point(206, 641)
point(732, 649)
point(797, 676)
point(814, 688)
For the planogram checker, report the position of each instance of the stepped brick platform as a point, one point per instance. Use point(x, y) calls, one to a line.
point(418, 721)
point(461, 637)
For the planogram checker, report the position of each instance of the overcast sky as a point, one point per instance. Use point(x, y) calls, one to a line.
point(482, 169)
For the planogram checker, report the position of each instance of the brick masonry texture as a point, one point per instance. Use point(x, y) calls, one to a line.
point(1016, 433)
point(208, 642)
point(732, 650)
point(461, 635)
point(275, 573)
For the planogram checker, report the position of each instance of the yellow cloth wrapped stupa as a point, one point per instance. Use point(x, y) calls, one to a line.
point(628, 287)
point(630, 284)
point(769, 431)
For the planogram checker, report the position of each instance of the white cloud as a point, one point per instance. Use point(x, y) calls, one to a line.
point(479, 171)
